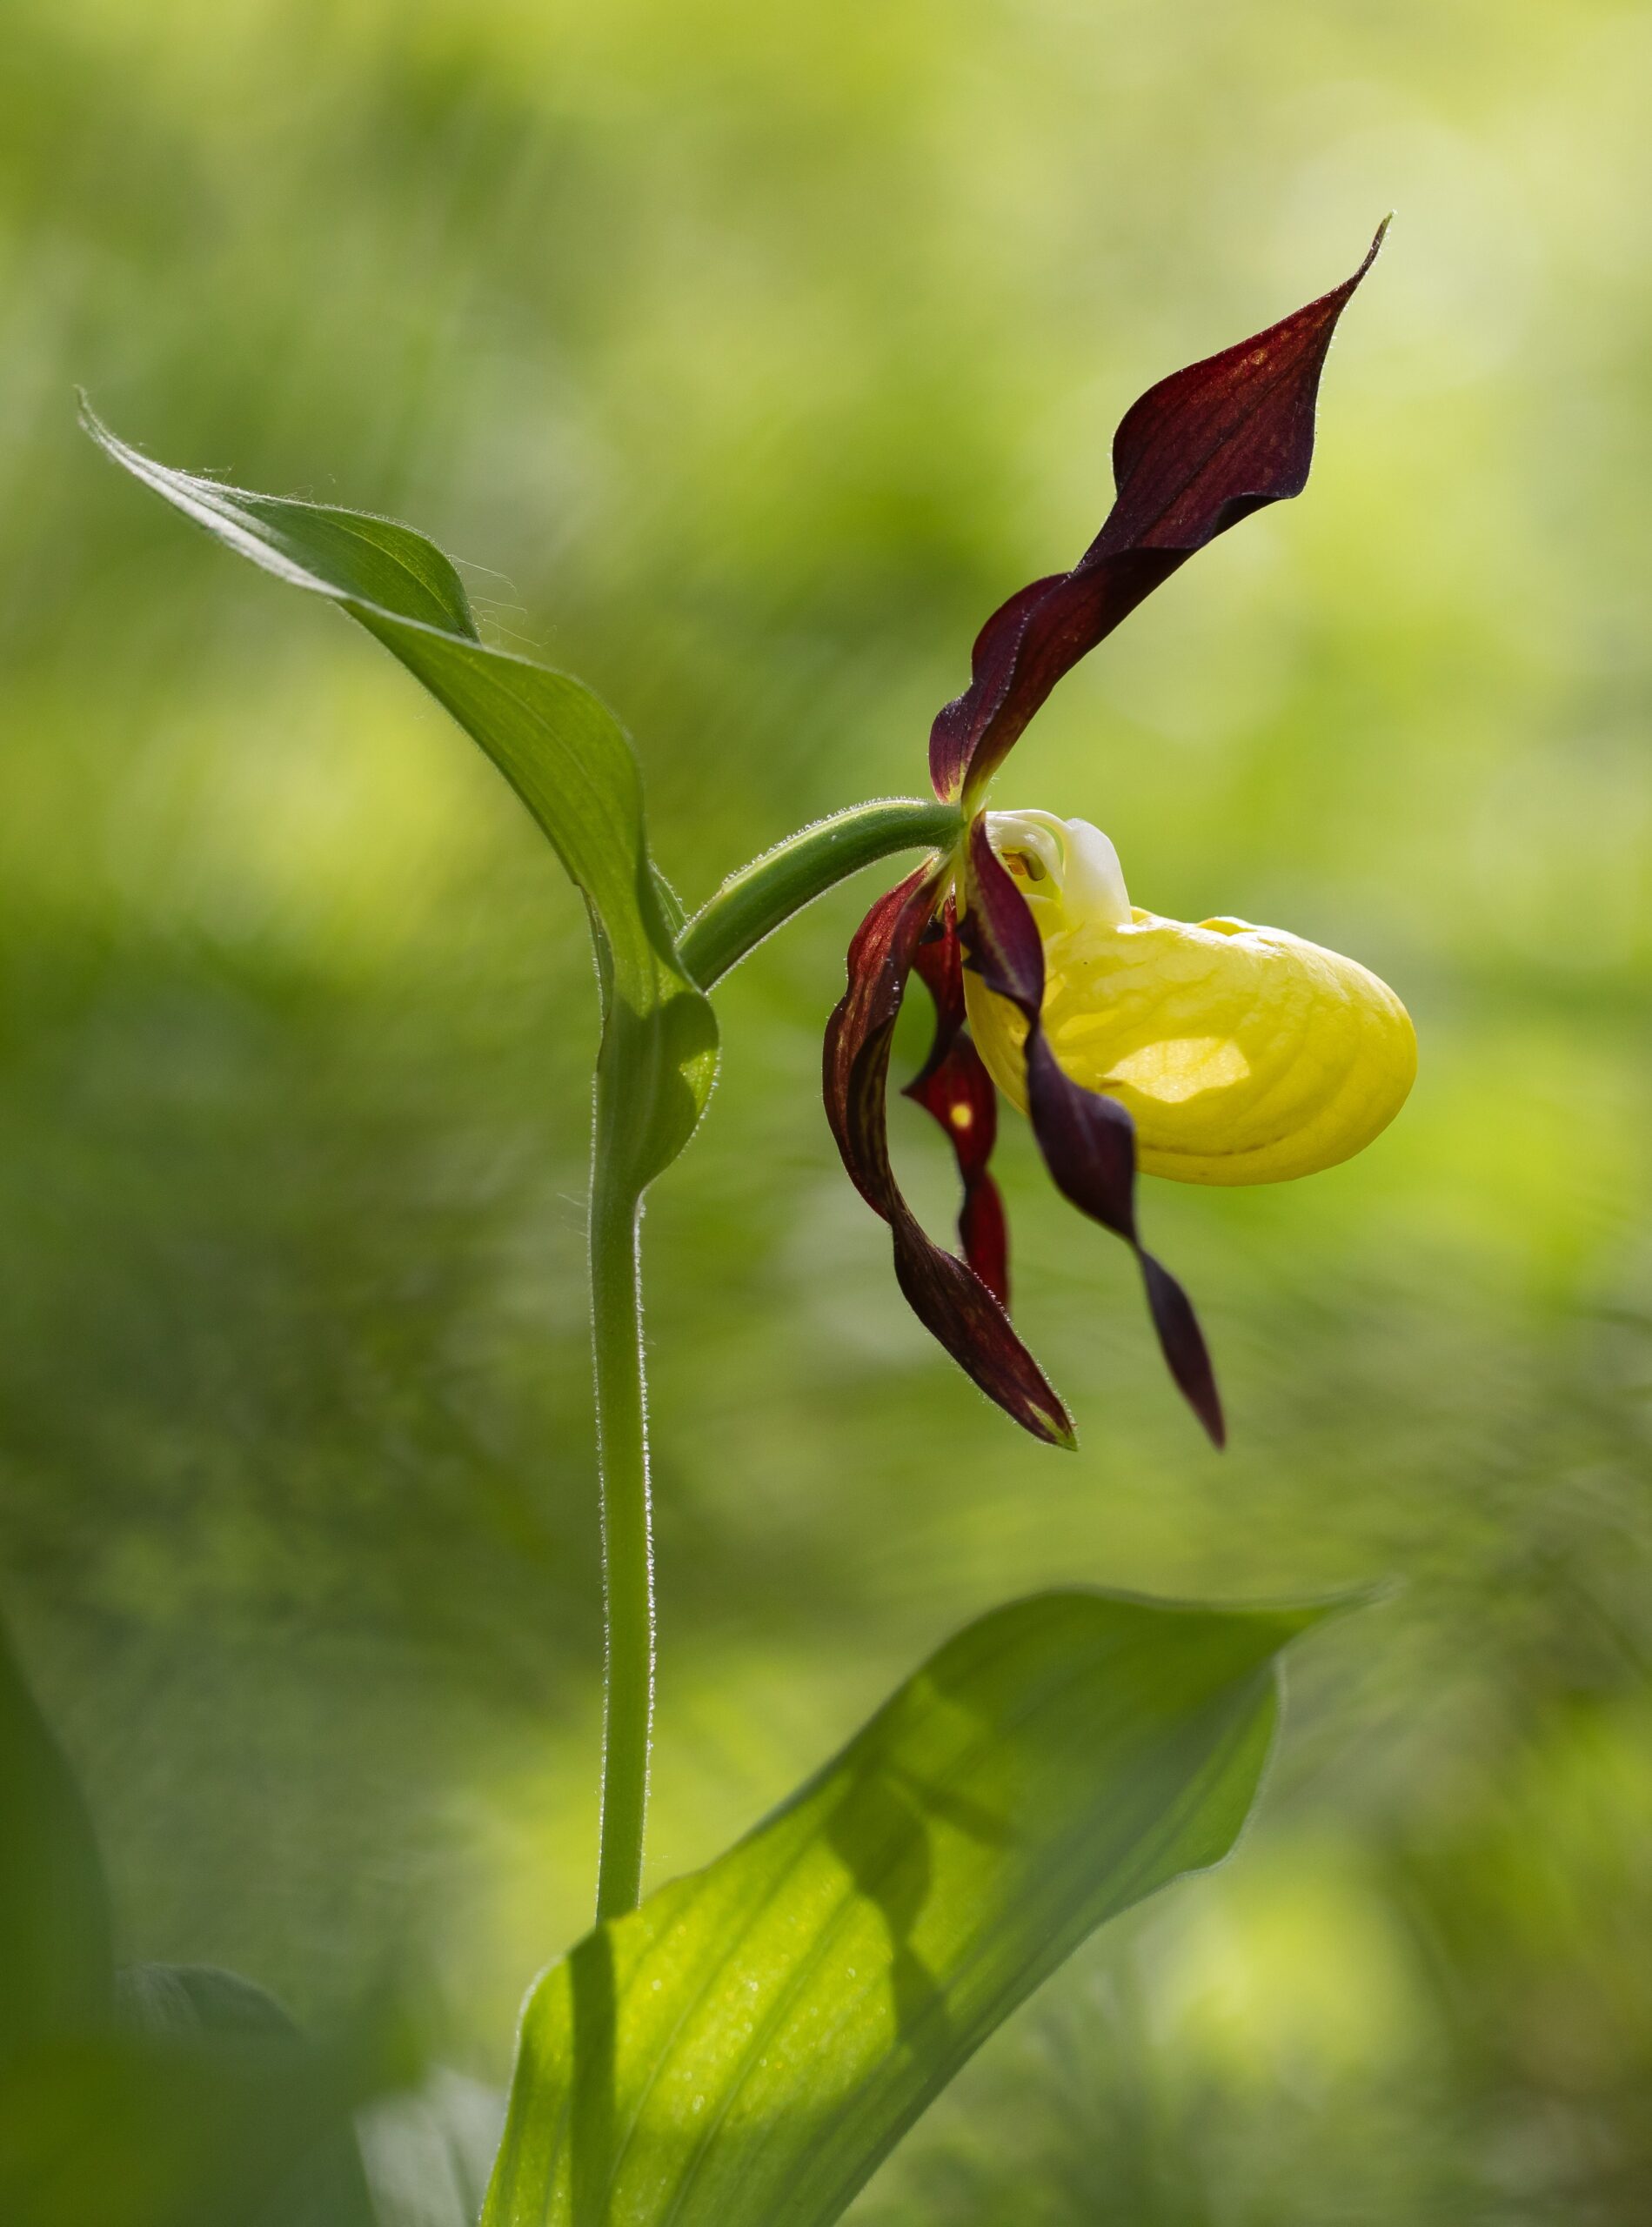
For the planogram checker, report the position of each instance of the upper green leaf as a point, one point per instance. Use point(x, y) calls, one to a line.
point(557, 745)
point(745, 2048)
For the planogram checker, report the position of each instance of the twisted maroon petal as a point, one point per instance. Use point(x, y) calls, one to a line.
point(1087, 1139)
point(949, 1298)
point(1195, 454)
point(953, 1087)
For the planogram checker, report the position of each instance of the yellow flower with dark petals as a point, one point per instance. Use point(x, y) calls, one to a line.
point(1245, 1055)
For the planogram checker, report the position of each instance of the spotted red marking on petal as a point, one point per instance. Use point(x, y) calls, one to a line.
point(954, 1088)
point(1197, 453)
point(947, 1294)
point(1087, 1139)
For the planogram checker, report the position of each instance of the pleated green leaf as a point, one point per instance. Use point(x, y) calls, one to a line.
point(557, 745)
point(745, 2048)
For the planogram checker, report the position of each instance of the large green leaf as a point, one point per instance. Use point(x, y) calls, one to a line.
point(55, 1967)
point(745, 2048)
point(557, 745)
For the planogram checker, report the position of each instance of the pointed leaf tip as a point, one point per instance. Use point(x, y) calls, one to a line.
point(362, 561)
point(557, 744)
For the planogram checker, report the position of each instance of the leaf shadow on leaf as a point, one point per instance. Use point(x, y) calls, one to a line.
point(880, 1831)
point(749, 2044)
point(879, 1834)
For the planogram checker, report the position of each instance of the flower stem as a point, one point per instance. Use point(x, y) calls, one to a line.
point(752, 903)
point(627, 1548)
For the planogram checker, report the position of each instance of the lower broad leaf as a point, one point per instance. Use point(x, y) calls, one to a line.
point(744, 2049)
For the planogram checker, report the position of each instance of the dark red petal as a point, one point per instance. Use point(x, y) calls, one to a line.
point(1195, 454)
point(984, 1229)
point(858, 1032)
point(1023, 650)
point(999, 936)
point(959, 1093)
point(954, 1088)
point(1212, 443)
point(1182, 1343)
point(951, 1301)
point(1089, 1147)
point(1087, 1139)
point(1088, 1142)
point(955, 1306)
point(939, 961)
point(991, 663)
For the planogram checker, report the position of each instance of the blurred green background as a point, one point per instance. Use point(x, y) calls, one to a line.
point(747, 358)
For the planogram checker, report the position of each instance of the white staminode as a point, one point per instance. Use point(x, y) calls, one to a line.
point(1078, 858)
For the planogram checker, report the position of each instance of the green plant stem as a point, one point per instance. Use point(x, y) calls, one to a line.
point(627, 1546)
point(752, 903)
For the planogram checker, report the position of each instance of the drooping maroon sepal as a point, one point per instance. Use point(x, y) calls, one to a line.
point(1195, 454)
point(1087, 1139)
point(953, 1087)
point(947, 1295)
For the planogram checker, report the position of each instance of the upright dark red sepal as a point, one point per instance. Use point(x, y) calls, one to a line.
point(1087, 1139)
point(1195, 454)
point(954, 1089)
point(947, 1296)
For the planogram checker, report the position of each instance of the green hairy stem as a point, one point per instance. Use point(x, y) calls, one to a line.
point(750, 905)
point(755, 901)
point(627, 1545)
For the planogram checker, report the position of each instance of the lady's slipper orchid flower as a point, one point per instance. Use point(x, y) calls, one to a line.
point(1244, 1055)
point(1217, 1054)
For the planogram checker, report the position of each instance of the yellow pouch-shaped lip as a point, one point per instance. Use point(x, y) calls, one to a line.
point(1245, 1055)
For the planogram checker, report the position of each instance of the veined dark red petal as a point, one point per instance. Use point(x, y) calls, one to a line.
point(947, 1296)
point(1195, 454)
point(954, 1088)
point(1087, 1139)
